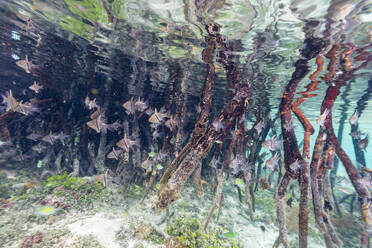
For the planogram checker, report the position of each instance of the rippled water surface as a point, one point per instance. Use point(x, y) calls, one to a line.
point(236, 116)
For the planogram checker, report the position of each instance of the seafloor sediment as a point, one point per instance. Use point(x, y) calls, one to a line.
point(90, 215)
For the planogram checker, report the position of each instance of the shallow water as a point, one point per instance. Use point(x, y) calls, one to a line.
point(102, 98)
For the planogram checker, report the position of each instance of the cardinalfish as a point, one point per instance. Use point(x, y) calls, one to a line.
point(259, 126)
point(272, 162)
point(215, 162)
point(366, 181)
point(354, 118)
point(114, 154)
point(25, 64)
point(130, 107)
point(172, 123)
point(321, 119)
point(39, 148)
point(156, 134)
point(36, 87)
point(288, 125)
point(52, 138)
point(356, 134)
point(98, 124)
point(126, 143)
point(11, 103)
point(14, 106)
point(363, 143)
point(296, 165)
point(158, 117)
point(236, 165)
point(140, 105)
point(341, 179)
point(218, 125)
point(272, 144)
point(90, 104)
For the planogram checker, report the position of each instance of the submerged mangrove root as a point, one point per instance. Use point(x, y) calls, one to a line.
point(331, 95)
point(204, 137)
point(202, 121)
point(280, 213)
point(292, 155)
point(170, 192)
point(247, 180)
point(220, 180)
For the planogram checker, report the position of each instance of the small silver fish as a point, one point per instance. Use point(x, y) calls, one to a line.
point(218, 125)
point(366, 181)
point(34, 136)
point(259, 126)
point(321, 119)
point(341, 179)
point(27, 108)
point(114, 154)
point(36, 87)
point(288, 125)
point(172, 123)
point(39, 148)
point(215, 162)
point(296, 165)
point(344, 190)
point(354, 118)
point(356, 134)
point(198, 108)
point(154, 125)
point(156, 134)
point(272, 162)
point(236, 165)
point(52, 138)
point(363, 143)
point(6, 143)
point(141, 105)
point(272, 144)
point(90, 104)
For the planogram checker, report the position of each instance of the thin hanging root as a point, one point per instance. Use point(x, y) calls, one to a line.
point(328, 197)
point(247, 180)
point(197, 181)
point(317, 200)
point(279, 202)
point(303, 215)
point(218, 198)
point(221, 179)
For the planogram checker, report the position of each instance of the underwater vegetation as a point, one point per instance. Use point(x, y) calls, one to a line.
point(259, 109)
point(189, 233)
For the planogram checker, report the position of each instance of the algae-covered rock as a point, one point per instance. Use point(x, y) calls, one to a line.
point(149, 233)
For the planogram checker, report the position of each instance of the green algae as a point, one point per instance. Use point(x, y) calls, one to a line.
point(190, 234)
